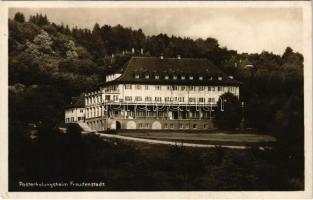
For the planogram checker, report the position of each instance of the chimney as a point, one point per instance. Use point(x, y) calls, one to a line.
point(178, 57)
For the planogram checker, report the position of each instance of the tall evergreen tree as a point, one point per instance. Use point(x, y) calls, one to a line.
point(97, 43)
point(228, 113)
point(19, 17)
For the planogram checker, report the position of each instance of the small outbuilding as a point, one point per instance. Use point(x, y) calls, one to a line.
point(75, 112)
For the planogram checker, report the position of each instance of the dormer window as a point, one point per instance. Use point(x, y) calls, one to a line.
point(136, 76)
point(220, 78)
point(200, 78)
point(157, 77)
point(174, 77)
point(190, 77)
point(183, 77)
point(147, 76)
point(166, 77)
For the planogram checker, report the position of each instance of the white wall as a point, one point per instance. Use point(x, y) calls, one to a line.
point(94, 100)
point(72, 114)
point(151, 91)
point(93, 104)
point(112, 77)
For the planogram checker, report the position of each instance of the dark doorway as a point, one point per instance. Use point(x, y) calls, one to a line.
point(184, 115)
point(118, 125)
point(175, 115)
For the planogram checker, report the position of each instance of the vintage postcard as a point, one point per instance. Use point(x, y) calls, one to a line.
point(156, 99)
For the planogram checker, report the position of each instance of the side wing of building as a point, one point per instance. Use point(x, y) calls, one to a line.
point(75, 112)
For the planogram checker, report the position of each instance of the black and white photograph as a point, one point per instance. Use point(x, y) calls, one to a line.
point(143, 98)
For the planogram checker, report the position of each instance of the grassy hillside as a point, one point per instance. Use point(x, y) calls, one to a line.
point(131, 166)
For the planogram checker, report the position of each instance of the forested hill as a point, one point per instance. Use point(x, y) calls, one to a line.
point(54, 62)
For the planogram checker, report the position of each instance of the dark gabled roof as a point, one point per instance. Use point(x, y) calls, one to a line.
point(77, 102)
point(113, 70)
point(173, 67)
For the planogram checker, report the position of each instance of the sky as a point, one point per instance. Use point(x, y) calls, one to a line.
point(249, 30)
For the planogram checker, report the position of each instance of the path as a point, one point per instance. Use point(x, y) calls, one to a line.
point(102, 135)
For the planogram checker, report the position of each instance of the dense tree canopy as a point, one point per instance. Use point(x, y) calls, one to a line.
point(19, 17)
point(39, 19)
point(228, 112)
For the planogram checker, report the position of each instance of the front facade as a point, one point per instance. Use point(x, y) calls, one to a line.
point(159, 93)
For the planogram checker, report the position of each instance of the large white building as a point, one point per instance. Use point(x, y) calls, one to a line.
point(159, 93)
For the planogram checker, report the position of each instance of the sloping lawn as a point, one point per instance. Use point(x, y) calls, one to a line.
point(203, 138)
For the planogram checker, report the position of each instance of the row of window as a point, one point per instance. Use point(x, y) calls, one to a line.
point(175, 77)
point(97, 112)
point(111, 88)
point(181, 88)
point(161, 99)
point(93, 112)
point(92, 100)
point(171, 126)
point(72, 119)
point(171, 99)
point(181, 126)
point(141, 125)
point(147, 125)
point(98, 99)
point(69, 119)
point(108, 97)
point(80, 110)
